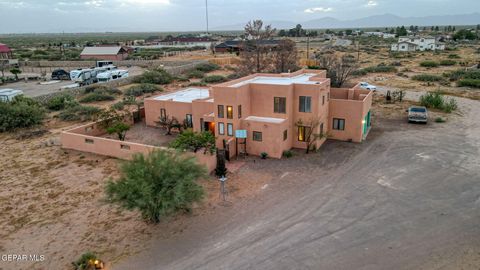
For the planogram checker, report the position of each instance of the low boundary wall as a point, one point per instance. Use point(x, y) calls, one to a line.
point(85, 139)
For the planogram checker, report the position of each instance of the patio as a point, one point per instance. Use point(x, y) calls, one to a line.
point(140, 133)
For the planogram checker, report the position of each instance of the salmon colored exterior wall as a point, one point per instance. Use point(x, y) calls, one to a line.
point(85, 138)
point(257, 99)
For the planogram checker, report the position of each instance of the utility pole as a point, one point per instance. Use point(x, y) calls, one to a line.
point(308, 47)
point(206, 13)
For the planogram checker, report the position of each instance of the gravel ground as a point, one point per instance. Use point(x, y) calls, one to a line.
point(406, 198)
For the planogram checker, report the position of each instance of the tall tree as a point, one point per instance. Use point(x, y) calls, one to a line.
point(254, 48)
point(339, 69)
point(285, 56)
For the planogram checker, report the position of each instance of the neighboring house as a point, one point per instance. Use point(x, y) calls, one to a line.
point(379, 34)
point(235, 46)
point(410, 44)
point(268, 108)
point(5, 52)
point(115, 53)
point(187, 42)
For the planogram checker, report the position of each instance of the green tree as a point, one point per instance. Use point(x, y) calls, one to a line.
point(158, 185)
point(16, 71)
point(120, 129)
point(22, 112)
point(464, 34)
point(194, 141)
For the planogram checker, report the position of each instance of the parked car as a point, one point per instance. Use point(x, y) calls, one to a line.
point(368, 86)
point(417, 114)
point(60, 74)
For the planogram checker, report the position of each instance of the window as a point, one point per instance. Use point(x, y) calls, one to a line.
point(230, 129)
point(90, 141)
point(229, 112)
point(328, 96)
point(321, 129)
point(279, 105)
point(305, 104)
point(302, 133)
point(189, 120)
point(221, 128)
point(323, 100)
point(220, 111)
point(285, 135)
point(338, 124)
point(239, 111)
point(163, 114)
point(257, 136)
point(202, 124)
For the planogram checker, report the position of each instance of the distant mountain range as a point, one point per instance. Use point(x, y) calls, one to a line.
point(385, 20)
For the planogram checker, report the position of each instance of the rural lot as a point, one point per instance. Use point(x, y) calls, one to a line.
point(407, 198)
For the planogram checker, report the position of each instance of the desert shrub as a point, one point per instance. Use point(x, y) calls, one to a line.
point(438, 101)
point(469, 82)
point(118, 106)
point(429, 64)
point(440, 120)
point(359, 72)
point(378, 69)
point(427, 78)
point(264, 155)
point(287, 153)
point(159, 184)
point(194, 141)
point(79, 112)
point(85, 262)
point(92, 97)
point(214, 79)
point(207, 67)
point(450, 105)
point(454, 56)
point(102, 89)
point(448, 62)
point(138, 90)
point(156, 76)
point(197, 84)
point(472, 74)
point(60, 102)
point(197, 74)
point(182, 79)
point(234, 76)
point(21, 112)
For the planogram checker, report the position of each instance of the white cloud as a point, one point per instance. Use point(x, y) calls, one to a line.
point(318, 9)
point(371, 3)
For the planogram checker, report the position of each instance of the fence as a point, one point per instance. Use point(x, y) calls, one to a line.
point(85, 139)
point(225, 60)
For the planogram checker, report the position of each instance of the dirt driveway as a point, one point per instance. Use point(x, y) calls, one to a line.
point(407, 198)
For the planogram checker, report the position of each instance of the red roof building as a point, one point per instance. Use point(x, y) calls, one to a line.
point(5, 52)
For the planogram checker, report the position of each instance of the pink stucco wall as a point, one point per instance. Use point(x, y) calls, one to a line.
point(256, 99)
point(85, 138)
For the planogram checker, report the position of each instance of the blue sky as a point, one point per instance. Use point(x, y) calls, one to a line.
point(161, 15)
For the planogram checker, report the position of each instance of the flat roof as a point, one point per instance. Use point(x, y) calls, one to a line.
point(265, 119)
point(187, 95)
point(301, 79)
point(100, 50)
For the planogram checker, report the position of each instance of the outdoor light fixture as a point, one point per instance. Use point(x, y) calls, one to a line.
point(363, 121)
point(97, 264)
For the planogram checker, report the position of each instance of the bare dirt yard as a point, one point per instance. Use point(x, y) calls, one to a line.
point(406, 198)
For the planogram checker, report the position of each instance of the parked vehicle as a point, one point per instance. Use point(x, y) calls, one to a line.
point(8, 94)
point(60, 74)
point(417, 114)
point(83, 76)
point(368, 86)
point(112, 75)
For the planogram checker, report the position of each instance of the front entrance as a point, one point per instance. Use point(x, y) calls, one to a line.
point(209, 126)
point(366, 123)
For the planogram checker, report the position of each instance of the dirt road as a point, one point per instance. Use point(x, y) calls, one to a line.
point(407, 198)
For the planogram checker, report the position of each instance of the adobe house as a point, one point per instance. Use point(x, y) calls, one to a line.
point(5, 52)
point(273, 110)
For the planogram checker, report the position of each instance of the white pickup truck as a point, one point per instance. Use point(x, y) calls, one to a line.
point(417, 114)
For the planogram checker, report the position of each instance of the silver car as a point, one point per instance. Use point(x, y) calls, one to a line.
point(417, 114)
